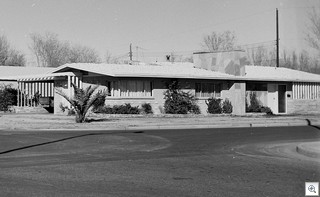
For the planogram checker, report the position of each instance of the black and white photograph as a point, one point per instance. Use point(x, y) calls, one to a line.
point(150, 98)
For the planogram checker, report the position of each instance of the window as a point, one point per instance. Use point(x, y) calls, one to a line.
point(132, 88)
point(256, 87)
point(208, 90)
point(306, 91)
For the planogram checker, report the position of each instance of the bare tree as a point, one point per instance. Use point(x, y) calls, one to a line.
point(299, 61)
point(110, 59)
point(83, 54)
point(4, 49)
point(9, 56)
point(304, 61)
point(313, 35)
point(219, 41)
point(294, 64)
point(261, 56)
point(16, 58)
point(51, 52)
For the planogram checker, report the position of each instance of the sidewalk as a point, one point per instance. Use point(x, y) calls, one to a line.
point(24, 122)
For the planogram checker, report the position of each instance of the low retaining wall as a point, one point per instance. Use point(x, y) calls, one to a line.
point(303, 106)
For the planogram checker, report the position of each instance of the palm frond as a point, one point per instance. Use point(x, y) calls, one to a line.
point(61, 93)
point(82, 99)
point(94, 98)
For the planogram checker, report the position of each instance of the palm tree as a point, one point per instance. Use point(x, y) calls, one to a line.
point(83, 100)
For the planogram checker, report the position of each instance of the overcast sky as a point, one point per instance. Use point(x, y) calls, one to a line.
point(153, 25)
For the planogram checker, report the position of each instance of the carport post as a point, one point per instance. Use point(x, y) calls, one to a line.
point(18, 95)
point(69, 88)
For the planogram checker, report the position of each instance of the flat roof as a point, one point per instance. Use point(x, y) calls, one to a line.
point(158, 70)
point(161, 70)
point(264, 73)
point(187, 70)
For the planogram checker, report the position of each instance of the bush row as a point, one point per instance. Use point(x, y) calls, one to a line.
point(216, 107)
point(145, 108)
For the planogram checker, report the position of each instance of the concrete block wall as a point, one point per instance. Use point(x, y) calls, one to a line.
point(303, 106)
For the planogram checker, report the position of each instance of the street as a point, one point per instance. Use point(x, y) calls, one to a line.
point(195, 162)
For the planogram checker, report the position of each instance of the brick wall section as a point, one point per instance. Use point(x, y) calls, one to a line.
point(303, 106)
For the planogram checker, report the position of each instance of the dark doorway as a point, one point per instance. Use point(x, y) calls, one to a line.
point(282, 98)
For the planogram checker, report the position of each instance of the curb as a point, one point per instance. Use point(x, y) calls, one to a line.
point(223, 124)
point(310, 149)
point(181, 126)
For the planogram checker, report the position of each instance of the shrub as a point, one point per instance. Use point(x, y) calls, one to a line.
point(66, 108)
point(8, 97)
point(214, 106)
point(179, 102)
point(119, 109)
point(146, 108)
point(195, 109)
point(266, 110)
point(125, 109)
point(254, 103)
point(227, 107)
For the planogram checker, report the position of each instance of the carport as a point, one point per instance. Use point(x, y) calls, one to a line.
point(39, 90)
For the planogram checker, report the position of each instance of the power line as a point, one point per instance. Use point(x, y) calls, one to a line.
point(258, 43)
point(203, 27)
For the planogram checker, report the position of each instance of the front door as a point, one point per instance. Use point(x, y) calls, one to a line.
point(282, 98)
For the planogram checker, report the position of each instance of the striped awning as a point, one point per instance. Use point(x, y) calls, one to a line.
point(45, 77)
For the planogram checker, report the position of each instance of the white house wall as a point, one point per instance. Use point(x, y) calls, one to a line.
point(234, 91)
point(159, 87)
point(273, 97)
point(58, 99)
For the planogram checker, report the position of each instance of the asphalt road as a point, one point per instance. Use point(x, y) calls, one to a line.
point(195, 162)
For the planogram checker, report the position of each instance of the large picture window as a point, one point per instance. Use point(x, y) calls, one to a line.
point(208, 90)
point(133, 88)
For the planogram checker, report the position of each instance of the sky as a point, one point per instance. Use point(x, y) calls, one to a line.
point(154, 27)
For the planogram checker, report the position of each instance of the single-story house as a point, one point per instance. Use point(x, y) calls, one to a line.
point(221, 75)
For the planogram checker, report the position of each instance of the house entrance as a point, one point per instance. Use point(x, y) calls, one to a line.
point(282, 98)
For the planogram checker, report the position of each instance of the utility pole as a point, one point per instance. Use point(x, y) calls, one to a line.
point(277, 36)
point(130, 53)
